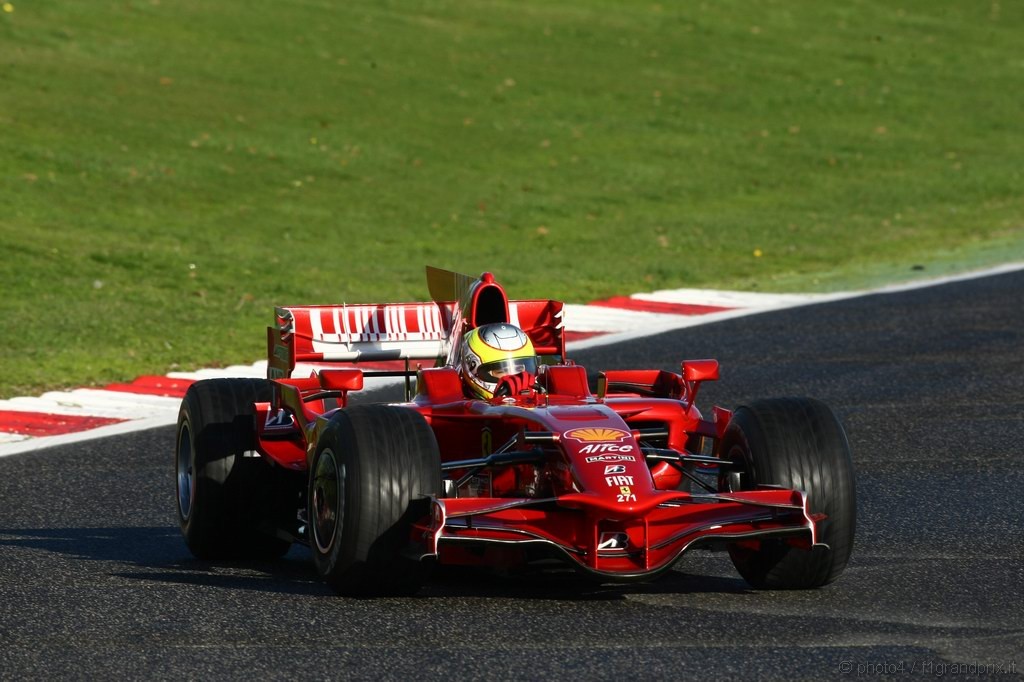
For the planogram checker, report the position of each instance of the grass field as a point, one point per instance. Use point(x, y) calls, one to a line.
point(171, 169)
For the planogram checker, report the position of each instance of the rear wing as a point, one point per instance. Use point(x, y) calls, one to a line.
point(379, 332)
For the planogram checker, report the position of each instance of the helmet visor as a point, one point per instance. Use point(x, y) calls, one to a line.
point(493, 371)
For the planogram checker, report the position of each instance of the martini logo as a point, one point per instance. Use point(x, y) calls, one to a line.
point(599, 434)
point(610, 458)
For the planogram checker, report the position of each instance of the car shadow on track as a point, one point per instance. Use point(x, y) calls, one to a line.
point(568, 585)
point(158, 554)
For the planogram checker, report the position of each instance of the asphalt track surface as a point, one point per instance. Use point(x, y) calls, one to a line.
point(95, 580)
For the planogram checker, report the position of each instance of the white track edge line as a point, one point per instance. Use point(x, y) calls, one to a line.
point(795, 302)
point(102, 432)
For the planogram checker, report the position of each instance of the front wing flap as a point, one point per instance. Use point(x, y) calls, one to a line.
point(619, 542)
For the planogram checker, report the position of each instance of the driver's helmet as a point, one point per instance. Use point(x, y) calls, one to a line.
point(491, 351)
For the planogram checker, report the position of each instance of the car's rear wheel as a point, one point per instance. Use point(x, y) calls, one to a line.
point(795, 443)
point(374, 466)
point(227, 501)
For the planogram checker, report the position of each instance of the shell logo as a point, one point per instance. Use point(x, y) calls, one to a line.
point(593, 434)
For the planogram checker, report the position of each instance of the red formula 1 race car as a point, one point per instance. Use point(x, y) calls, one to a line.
point(501, 455)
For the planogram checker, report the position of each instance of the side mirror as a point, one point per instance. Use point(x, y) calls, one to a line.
point(696, 371)
point(341, 379)
point(700, 370)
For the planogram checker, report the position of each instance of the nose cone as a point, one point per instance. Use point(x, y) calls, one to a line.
point(607, 461)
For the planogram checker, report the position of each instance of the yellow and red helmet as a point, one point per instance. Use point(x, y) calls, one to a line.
point(490, 352)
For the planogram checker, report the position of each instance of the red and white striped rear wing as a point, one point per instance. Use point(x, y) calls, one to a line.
point(374, 332)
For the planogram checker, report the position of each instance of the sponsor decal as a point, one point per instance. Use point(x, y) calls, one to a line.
point(598, 434)
point(613, 541)
point(613, 481)
point(615, 469)
point(476, 486)
point(610, 458)
point(282, 419)
point(486, 441)
point(605, 447)
point(626, 494)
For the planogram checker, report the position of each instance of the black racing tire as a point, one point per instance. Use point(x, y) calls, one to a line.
point(227, 502)
point(795, 443)
point(374, 470)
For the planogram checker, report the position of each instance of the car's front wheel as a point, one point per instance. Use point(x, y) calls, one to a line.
point(373, 464)
point(795, 443)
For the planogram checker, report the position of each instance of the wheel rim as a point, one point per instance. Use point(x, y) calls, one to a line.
point(328, 499)
point(186, 473)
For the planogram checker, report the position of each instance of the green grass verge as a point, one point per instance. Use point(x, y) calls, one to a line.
point(171, 170)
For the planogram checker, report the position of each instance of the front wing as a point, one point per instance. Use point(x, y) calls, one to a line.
point(618, 541)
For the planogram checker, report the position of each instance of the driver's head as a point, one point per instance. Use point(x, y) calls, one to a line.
point(490, 352)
